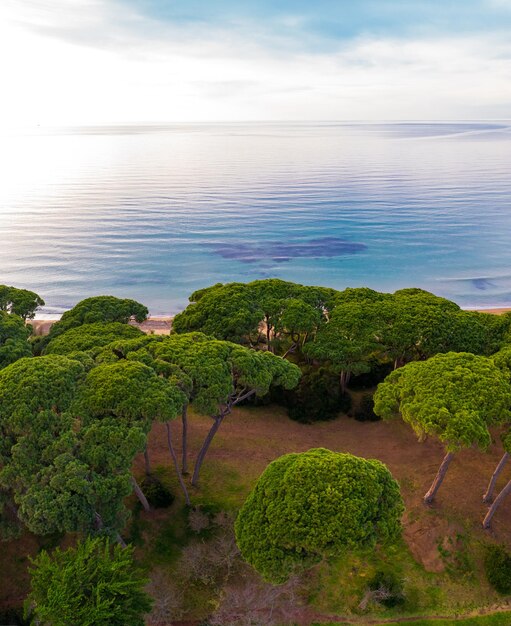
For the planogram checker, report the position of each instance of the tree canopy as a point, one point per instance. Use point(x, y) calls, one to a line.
point(131, 391)
point(240, 311)
point(215, 375)
point(62, 473)
point(454, 397)
point(90, 337)
point(315, 504)
point(19, 302)
point(104, 309)
point(14, 334)
point(93, 584)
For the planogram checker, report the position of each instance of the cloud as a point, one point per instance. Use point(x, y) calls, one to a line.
point(100, 61)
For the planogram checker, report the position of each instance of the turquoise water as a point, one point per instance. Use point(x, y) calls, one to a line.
point(155, 212)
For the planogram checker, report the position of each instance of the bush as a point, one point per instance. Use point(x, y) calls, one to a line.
point(497, 563)
point(387, 589)
point(158, 495)
point(316, 398)
point(365, 410)
point(370, 379)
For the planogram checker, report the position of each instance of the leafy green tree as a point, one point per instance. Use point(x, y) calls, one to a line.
point(131, 391)
point(454, 397)
point(32, 385)
point(347, 340)
point(48, 472)
point(307, 506)
point(222, 374)
point(222, 311)
point(91, 337)
point(19, 302)
point(215, 375)
point(239, 312)
point(14, 336)
point(93, 584)
point(103, 309)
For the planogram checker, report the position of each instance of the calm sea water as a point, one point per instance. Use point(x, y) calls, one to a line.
point(155, 212)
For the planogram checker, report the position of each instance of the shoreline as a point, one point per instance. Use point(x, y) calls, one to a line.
point(153, 325)
point(162, 324)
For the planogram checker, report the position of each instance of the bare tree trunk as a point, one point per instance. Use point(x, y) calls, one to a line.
point(140, 494)
point(498, 501)
point(205, 446)
point(184, 421)
point(442, 470)
point(268, 329)
point(218, 419)
point(147, 462)
point(176, 464)
point(488, 496)
point(344, 380)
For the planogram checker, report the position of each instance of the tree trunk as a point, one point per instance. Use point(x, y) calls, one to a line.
point(488, 496)
point(176, 464)
point(184, 421)
point(344, 379)
point(140, 494)
point(99, 526)
point(147, 462)
point(442, 471)
point(498, 501)
point(205, 446)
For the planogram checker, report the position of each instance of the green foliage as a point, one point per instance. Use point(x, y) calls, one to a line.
point(453, 396)
point(31, 385)
point(318, 503)
point(210, 372)
point(19, 302)
point(93, 584)
point(91, 337)
point(316, 398)
point(14, 336)
point(129, 390)
point(497, 563)
point(103, 309)
point(348, 339)
point(235, 311)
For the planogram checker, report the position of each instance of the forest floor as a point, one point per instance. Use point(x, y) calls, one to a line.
point(442, 552)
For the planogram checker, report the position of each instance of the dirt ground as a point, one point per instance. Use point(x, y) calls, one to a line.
point(250, 438)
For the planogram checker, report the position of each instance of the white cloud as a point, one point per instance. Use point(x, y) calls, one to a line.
point(91, 62)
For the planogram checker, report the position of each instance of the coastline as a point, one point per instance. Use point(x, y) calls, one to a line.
point(162, 325)
point(153, 325)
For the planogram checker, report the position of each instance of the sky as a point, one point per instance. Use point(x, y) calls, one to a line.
point(94, 62)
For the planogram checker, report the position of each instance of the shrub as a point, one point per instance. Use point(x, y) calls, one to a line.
point(317, 397)
point(365, 410)
point(387, 588)
point(497, 563)
point(370, 379)
point(159, 496)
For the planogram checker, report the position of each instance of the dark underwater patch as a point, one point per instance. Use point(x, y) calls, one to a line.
point(282, 252)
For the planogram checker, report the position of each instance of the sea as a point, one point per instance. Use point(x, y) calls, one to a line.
point(154, 212)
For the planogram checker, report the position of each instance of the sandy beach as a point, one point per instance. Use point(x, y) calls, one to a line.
point(161, 325)
point(153, 325)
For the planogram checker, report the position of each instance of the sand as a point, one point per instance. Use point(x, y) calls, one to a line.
point(153, 325)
